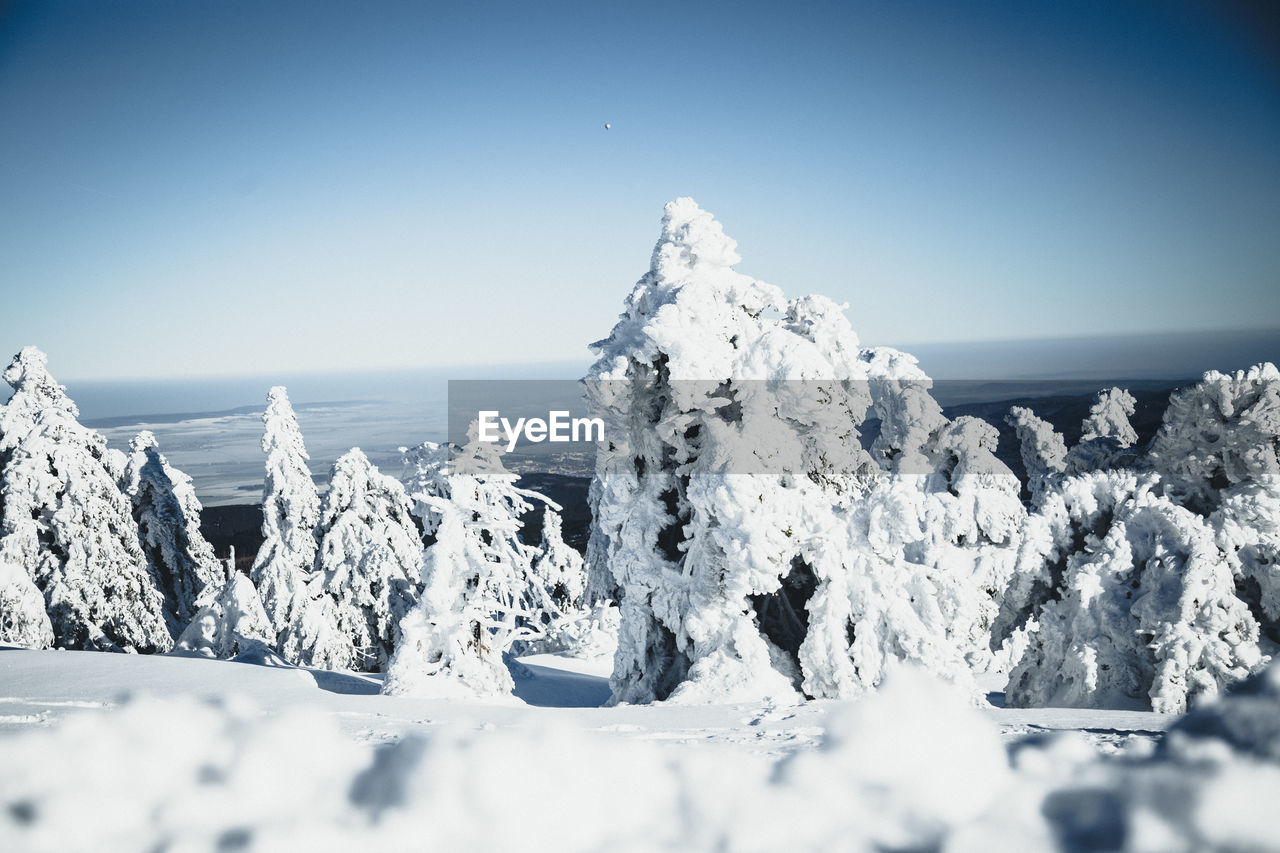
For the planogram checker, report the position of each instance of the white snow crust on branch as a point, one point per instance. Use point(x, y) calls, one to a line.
point(65, 522)
point(754, 547)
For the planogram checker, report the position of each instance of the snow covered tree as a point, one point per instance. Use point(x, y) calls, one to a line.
point(1139, 606)
point(1044, 453)
point(485, 590)
point(1109, 418)
point(1218, 452)
point(1247, 525)
point(1145, 577)
point(492, 506)
point(753, 546)
point(1220, 433)
point(64, 520)
point(367, 572)
point(557, 566)
point(229, 618)
point(451, 642)
point(956, 511)
point(290, 512)
point(1105, 442)
point(426, 479)
point(1106, 437)
point(168, 516)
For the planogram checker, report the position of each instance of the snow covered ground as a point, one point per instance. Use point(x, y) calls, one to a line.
point(44, 688)
point(124, 752)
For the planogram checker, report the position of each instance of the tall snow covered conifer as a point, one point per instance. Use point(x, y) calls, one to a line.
point(290, 512)
point(65, 521)
point(168, 516)
point(754, 547)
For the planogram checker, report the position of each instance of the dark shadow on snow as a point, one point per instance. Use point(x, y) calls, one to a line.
point(554, 688)
point(348, 683)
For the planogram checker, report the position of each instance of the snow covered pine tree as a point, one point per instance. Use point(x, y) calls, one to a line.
point(168, 516)
point(290, 512)
point(65, 522)
point(368, 572)
point(485, 590)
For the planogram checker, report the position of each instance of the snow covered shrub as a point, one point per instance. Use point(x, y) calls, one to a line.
point(903, 769)
point(23, 621)
point(1247, 717)
point(1207, 785)
point(1147, 584)
point(753, 546)
point(1247, 523)
point(1137, 603)
point(168, 516)
point(452, 642)
point(1222, 432)
point(909, 768)
point(290, 512)
point(229, 619)
point(367, 575)
point(949, 508)
point(64, 520)
point(486, 592)
point(1219, 453)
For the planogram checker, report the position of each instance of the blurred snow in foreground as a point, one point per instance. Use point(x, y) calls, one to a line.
point(913, 767)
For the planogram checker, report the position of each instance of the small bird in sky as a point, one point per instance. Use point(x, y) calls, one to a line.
point(607, 125)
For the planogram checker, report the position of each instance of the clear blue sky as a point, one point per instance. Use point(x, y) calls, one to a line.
point(224, 187)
